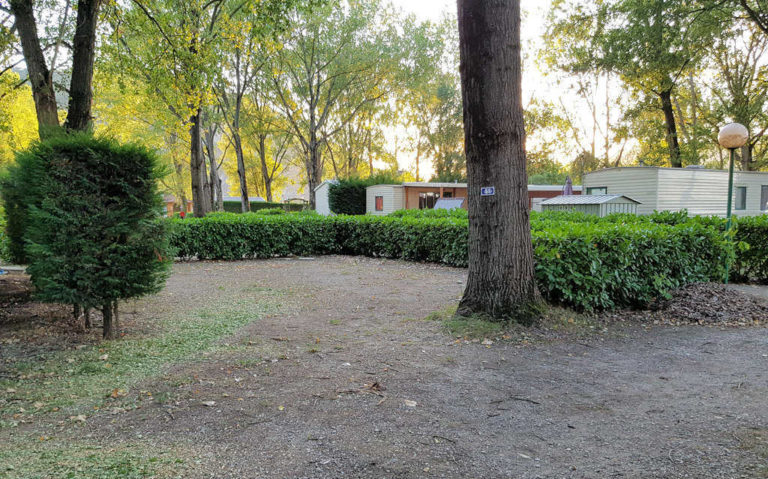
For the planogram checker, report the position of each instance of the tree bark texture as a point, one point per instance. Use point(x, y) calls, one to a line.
point(109, 330)
point(746, 157)
point(200, 201)
point(501, 283)
point(672, 139)
point(84, 50)
point(40, 77)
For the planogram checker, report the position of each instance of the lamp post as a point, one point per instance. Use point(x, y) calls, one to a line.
point(731, 136)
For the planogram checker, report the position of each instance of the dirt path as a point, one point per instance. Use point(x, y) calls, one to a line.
point(348, 380)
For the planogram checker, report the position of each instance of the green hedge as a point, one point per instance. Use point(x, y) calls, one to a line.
point(347, 196)
point(585, 265)
point(441, 213)
point(236, 207)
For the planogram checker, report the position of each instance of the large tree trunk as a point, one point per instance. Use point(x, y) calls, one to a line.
point(669, 119)
point(40, 77)
point(501, 283)
point(200, 201)
point(84, 50)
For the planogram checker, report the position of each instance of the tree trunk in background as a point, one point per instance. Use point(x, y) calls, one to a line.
point(116, 319)
point(109, 330)
point(264, 168)
point(84, 50)
point(501, 283)
point(40, 77)
point(245, 203)
point(200, 202)
point(746, 156)
point(217, 201)
point(213, 174)
point(669, 119)
point(314, 169)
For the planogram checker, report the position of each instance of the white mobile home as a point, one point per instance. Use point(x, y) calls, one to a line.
point(698, 190)
point(384, 199)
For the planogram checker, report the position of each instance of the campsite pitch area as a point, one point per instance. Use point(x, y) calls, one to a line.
point(339, 367)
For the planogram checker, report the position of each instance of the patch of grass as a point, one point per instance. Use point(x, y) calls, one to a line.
point(263, 290)
point(335, 322)
point(75, 382)
point(51, 459)
point(474, 327)
point(557, 319)
point(756, 441)
point(443, 314)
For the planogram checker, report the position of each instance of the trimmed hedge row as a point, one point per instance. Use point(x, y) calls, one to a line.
point(585, 266)
point(236, 207)
point(750, 235)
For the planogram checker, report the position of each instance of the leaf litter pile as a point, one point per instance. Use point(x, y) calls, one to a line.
point(703, 303)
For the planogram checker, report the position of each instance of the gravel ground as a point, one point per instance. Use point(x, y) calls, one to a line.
point(347, 380)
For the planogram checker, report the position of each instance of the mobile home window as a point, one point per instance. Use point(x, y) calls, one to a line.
point(379, 203)
point(597, 190)
point(741, 198)
point(764, 198)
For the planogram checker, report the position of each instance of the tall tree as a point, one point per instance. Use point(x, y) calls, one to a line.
point(176, 46)
point(501, 282)
point(740, 86)
point(334, 63)
point(652, 44)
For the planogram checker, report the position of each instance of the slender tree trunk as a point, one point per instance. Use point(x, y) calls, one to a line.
point(669, 119)
point(215, 182)
point(264, 168)
point(116, 318)
point(245, 203)
point(314, 169)
point(501, 283)
point(106, 312)
point(84, 50)
point(40, 77)
point(200, 201)
point(87, 315)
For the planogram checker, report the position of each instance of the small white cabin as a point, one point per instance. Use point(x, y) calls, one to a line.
point(322, 204)
point(384, 199)
point(700, 191)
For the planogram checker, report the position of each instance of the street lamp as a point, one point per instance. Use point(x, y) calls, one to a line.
point(731, 136)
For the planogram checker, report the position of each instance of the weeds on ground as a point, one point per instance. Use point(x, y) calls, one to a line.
point(52, 459)
point(554, 321)
point(755, 441)
point(74, 382)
